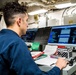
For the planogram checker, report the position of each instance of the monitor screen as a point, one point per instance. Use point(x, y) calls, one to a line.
point(30, 35)
point(42, 35)
point(63, 35)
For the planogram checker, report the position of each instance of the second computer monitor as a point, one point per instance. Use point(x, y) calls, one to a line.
point(42, 35)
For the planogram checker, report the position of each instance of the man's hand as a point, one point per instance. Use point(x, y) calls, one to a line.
point(61, 63)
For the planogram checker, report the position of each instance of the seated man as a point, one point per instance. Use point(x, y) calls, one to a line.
point(15, 58)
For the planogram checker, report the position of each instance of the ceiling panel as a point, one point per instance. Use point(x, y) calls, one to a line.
point(3, 2)
point(47, 4)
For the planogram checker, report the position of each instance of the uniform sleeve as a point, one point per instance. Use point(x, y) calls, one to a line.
point(23, 64)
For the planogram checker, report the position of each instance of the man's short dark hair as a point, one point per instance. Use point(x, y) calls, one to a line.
point(11, 9)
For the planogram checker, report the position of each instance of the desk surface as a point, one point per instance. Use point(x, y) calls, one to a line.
point(47, 61)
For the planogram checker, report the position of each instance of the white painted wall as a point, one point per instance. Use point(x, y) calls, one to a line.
point(42, 22)
point(51, 19)
point(54, 18)
point(2, 23)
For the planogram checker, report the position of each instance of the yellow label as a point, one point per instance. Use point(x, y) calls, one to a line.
point(70, 21)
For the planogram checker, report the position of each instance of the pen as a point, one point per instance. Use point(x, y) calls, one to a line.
point(52, 64)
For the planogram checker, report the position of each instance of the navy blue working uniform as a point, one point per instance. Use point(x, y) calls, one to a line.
point(15, 58)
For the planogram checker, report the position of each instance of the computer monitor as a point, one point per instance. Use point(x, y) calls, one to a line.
point(42, 35)
point(30, 35)
point(63, 35)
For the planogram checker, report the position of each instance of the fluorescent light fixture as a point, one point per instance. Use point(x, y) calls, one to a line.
point(65, 5)
point(37, 12)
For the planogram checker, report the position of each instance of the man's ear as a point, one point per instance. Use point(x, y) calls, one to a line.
point(19, 22)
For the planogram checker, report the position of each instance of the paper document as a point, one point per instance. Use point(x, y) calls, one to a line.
point(50, 49)
point(46, 61)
